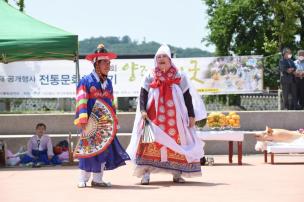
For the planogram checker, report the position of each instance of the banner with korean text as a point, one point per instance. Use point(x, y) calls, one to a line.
point(57, 79)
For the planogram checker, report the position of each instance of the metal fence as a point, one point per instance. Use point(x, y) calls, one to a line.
point(250, 102)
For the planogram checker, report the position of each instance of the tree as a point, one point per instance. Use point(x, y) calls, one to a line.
point(261, 27)
point(125, 45)
point(285, 25)
point(19, 3)
point(126, 39)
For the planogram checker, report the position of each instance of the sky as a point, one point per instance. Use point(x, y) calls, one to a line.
point(180, 23)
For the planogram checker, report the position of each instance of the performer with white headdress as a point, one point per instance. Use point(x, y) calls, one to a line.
point(170, 106)
point(98, 148)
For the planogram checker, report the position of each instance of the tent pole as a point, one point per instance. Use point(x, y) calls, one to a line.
point(77, 70)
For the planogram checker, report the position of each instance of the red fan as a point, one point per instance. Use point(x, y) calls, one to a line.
point(99, 132)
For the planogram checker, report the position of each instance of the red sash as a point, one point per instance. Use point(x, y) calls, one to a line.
point(99, 93)
point(165, 115)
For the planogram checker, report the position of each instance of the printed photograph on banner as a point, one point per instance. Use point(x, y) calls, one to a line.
point(225, 75)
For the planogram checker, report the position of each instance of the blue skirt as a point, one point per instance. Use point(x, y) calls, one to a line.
point(114, 156)
point(40, 157)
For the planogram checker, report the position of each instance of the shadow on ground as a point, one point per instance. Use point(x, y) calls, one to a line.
point(188, 183)
point(127, 187)
point(228, 164)
point(51, 167)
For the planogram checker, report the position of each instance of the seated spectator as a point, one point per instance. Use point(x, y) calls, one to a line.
point(40, 149)
point(11, 159)
point(62, 150)
point(7, 157)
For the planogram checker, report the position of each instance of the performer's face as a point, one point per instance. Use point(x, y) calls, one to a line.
point(163, 62)
point(103, 67)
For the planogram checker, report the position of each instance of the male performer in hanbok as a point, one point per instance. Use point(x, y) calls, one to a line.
point(90, 88)
point(171, 106)
point(40, 149)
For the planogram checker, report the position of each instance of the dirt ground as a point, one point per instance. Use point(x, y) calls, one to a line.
point(253, 181)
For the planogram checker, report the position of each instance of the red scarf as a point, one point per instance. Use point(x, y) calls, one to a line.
point(166, 113)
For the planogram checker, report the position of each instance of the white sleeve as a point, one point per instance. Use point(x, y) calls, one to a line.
point(197, 101)
point(147, 81)
point(184, 83)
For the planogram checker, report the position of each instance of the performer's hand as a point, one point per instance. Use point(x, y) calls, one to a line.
point(144, 115)
point(50, 157)
point(191, 122)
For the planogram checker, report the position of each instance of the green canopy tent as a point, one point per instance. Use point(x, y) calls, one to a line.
point(25, 38)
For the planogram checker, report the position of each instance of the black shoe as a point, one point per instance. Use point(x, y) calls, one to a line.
point(100, 184)
point(203, 161)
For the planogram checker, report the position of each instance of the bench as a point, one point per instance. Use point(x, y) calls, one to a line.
point(282, 149)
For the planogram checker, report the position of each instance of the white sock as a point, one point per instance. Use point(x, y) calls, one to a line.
point(97, 177)
point(84, 176)
point(146, 175)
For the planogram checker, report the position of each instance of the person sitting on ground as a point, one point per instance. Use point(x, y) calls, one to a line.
point(40, 149)
point(11, 158)
point(62, 150)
